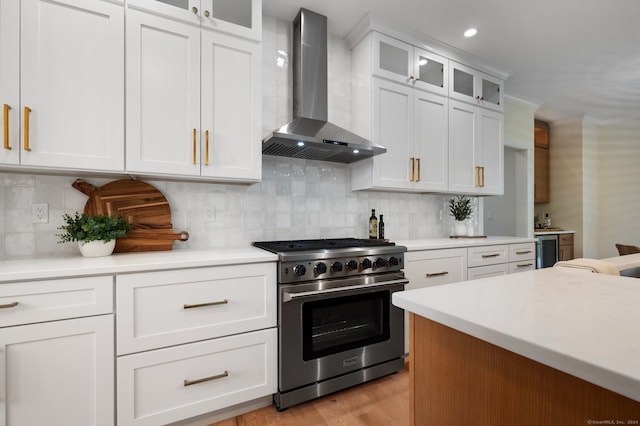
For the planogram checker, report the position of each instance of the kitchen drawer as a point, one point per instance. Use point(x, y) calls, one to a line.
point(159, 309)
point(522, 266)
point(434, 267)
point(523, 251)
point(565, 239)
point(48, 300)
point(154, 389)
point(487, 271)
point(487, 255)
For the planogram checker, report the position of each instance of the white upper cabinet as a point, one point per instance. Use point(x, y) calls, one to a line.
point(193, 94)
point(404, 63)
point(238, 17)
point(470, 85)
point(63, 99)
point(476, 147)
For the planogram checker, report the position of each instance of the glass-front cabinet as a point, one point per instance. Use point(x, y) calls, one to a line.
point(407, 64)
point(237, 17)
point(470, 85)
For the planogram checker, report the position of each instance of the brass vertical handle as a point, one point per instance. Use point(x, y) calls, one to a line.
point(27, 110)
point(6, 127)
point(194, 146)
point(206, 148)
point(413, 169)
point(418, 162)
point(478, 176)
point(482, 176)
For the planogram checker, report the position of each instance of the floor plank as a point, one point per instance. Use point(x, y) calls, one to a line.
point(382, 402)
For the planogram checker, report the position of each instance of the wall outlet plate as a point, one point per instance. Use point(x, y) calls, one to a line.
point(40, 213)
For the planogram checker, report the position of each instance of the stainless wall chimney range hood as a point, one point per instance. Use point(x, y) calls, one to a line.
point(310, 136)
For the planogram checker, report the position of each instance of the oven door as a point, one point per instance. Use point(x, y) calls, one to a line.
point(329, 328)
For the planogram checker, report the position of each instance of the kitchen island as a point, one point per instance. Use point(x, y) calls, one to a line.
point(550, 346)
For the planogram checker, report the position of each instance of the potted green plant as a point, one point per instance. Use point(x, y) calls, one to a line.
point(96, 234)
point(461, 210)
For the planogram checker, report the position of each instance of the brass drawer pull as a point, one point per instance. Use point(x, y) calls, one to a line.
point(437, 274)
point(6, 127)
point(478, 181)
point(206, 156)
point(413, 169)
point(195, 138)
point(9, 305)
point(202, 305)
point(206, 379)
point(27, 110)
point(418, 163)
point(486, 256)
point(524, 251)
point(524, 265)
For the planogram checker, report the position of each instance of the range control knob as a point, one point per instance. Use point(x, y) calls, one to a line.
point(299, 270)
point(320, 268)
point(336, 267)
point(366, 264)
point(380, 262)
point(352, 265)
point(393, 261)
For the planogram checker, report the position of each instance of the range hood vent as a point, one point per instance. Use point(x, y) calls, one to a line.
point(310, 136)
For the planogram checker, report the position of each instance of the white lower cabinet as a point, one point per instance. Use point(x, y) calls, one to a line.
point(487, 271)
point(57, 352)
point(172, 384)
point(193, 341)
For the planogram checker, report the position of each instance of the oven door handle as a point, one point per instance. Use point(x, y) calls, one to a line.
point(287, 296)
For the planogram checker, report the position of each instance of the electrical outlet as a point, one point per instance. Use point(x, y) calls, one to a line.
point(39, 213)
point(209, 214)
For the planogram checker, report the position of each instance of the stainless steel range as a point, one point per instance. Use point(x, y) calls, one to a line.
point(336, 324)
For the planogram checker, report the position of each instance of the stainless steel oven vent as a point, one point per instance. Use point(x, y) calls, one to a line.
point(310, 135)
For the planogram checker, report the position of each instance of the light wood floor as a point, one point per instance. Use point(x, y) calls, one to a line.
point(384, 401)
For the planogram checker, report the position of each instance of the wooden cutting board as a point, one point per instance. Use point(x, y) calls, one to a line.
point(145, 207)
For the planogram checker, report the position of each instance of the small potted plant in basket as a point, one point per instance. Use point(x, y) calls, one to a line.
point(96, 234)
point(461, 209)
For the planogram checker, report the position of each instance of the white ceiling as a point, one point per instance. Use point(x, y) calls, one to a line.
point(573, 57)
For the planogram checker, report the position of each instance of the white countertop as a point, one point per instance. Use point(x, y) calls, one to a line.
point(43, 268)
point(581, 323)
point(443, 243)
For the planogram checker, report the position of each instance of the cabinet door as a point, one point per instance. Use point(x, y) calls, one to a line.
point(10, 80)
point(393, 128)
point(462, 82)
point(490, 91)
point(431, 71)
point(58, 373)
point(72, 81)
point(180, 10)
point(163, 95)
point(237, 17)
point(231, 108)
point(490, 151)
point(463, 175)
point(431, 141)
point(487, 271)
point(392, 59)
point(541, 187)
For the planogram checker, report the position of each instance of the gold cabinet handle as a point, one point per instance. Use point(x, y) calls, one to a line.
point(478, 183)
point(413, 169)
point(523, 251)
point(486, 256)
point(6, 127)
point(194, 146)
point(202, 305)
point(27, 110)
point(9, 305)
point(206, 148)
point(205, 379)
point(418, 163)
point(482, 168)
point(524, 265)
point(438, 274)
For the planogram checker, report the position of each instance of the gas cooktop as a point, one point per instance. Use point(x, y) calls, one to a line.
point(318, 245)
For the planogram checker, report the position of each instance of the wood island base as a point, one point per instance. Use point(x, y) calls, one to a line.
point(457, 379)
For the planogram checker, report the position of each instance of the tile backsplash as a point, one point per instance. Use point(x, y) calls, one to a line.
point(296, 198)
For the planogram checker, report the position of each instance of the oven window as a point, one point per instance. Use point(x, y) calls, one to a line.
point(338, 324)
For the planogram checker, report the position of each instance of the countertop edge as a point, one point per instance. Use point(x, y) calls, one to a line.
point(445, 243)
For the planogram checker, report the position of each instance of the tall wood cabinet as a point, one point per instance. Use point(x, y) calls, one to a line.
point(542, 190)
point(62, 84)
point(193, 89)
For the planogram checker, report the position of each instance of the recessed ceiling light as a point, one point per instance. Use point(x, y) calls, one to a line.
point(470, 32)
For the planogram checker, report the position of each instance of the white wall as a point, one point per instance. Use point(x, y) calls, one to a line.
point(296, 198)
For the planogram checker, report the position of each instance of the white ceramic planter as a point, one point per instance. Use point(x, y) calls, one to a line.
point(96, 248)
point(459, 229)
